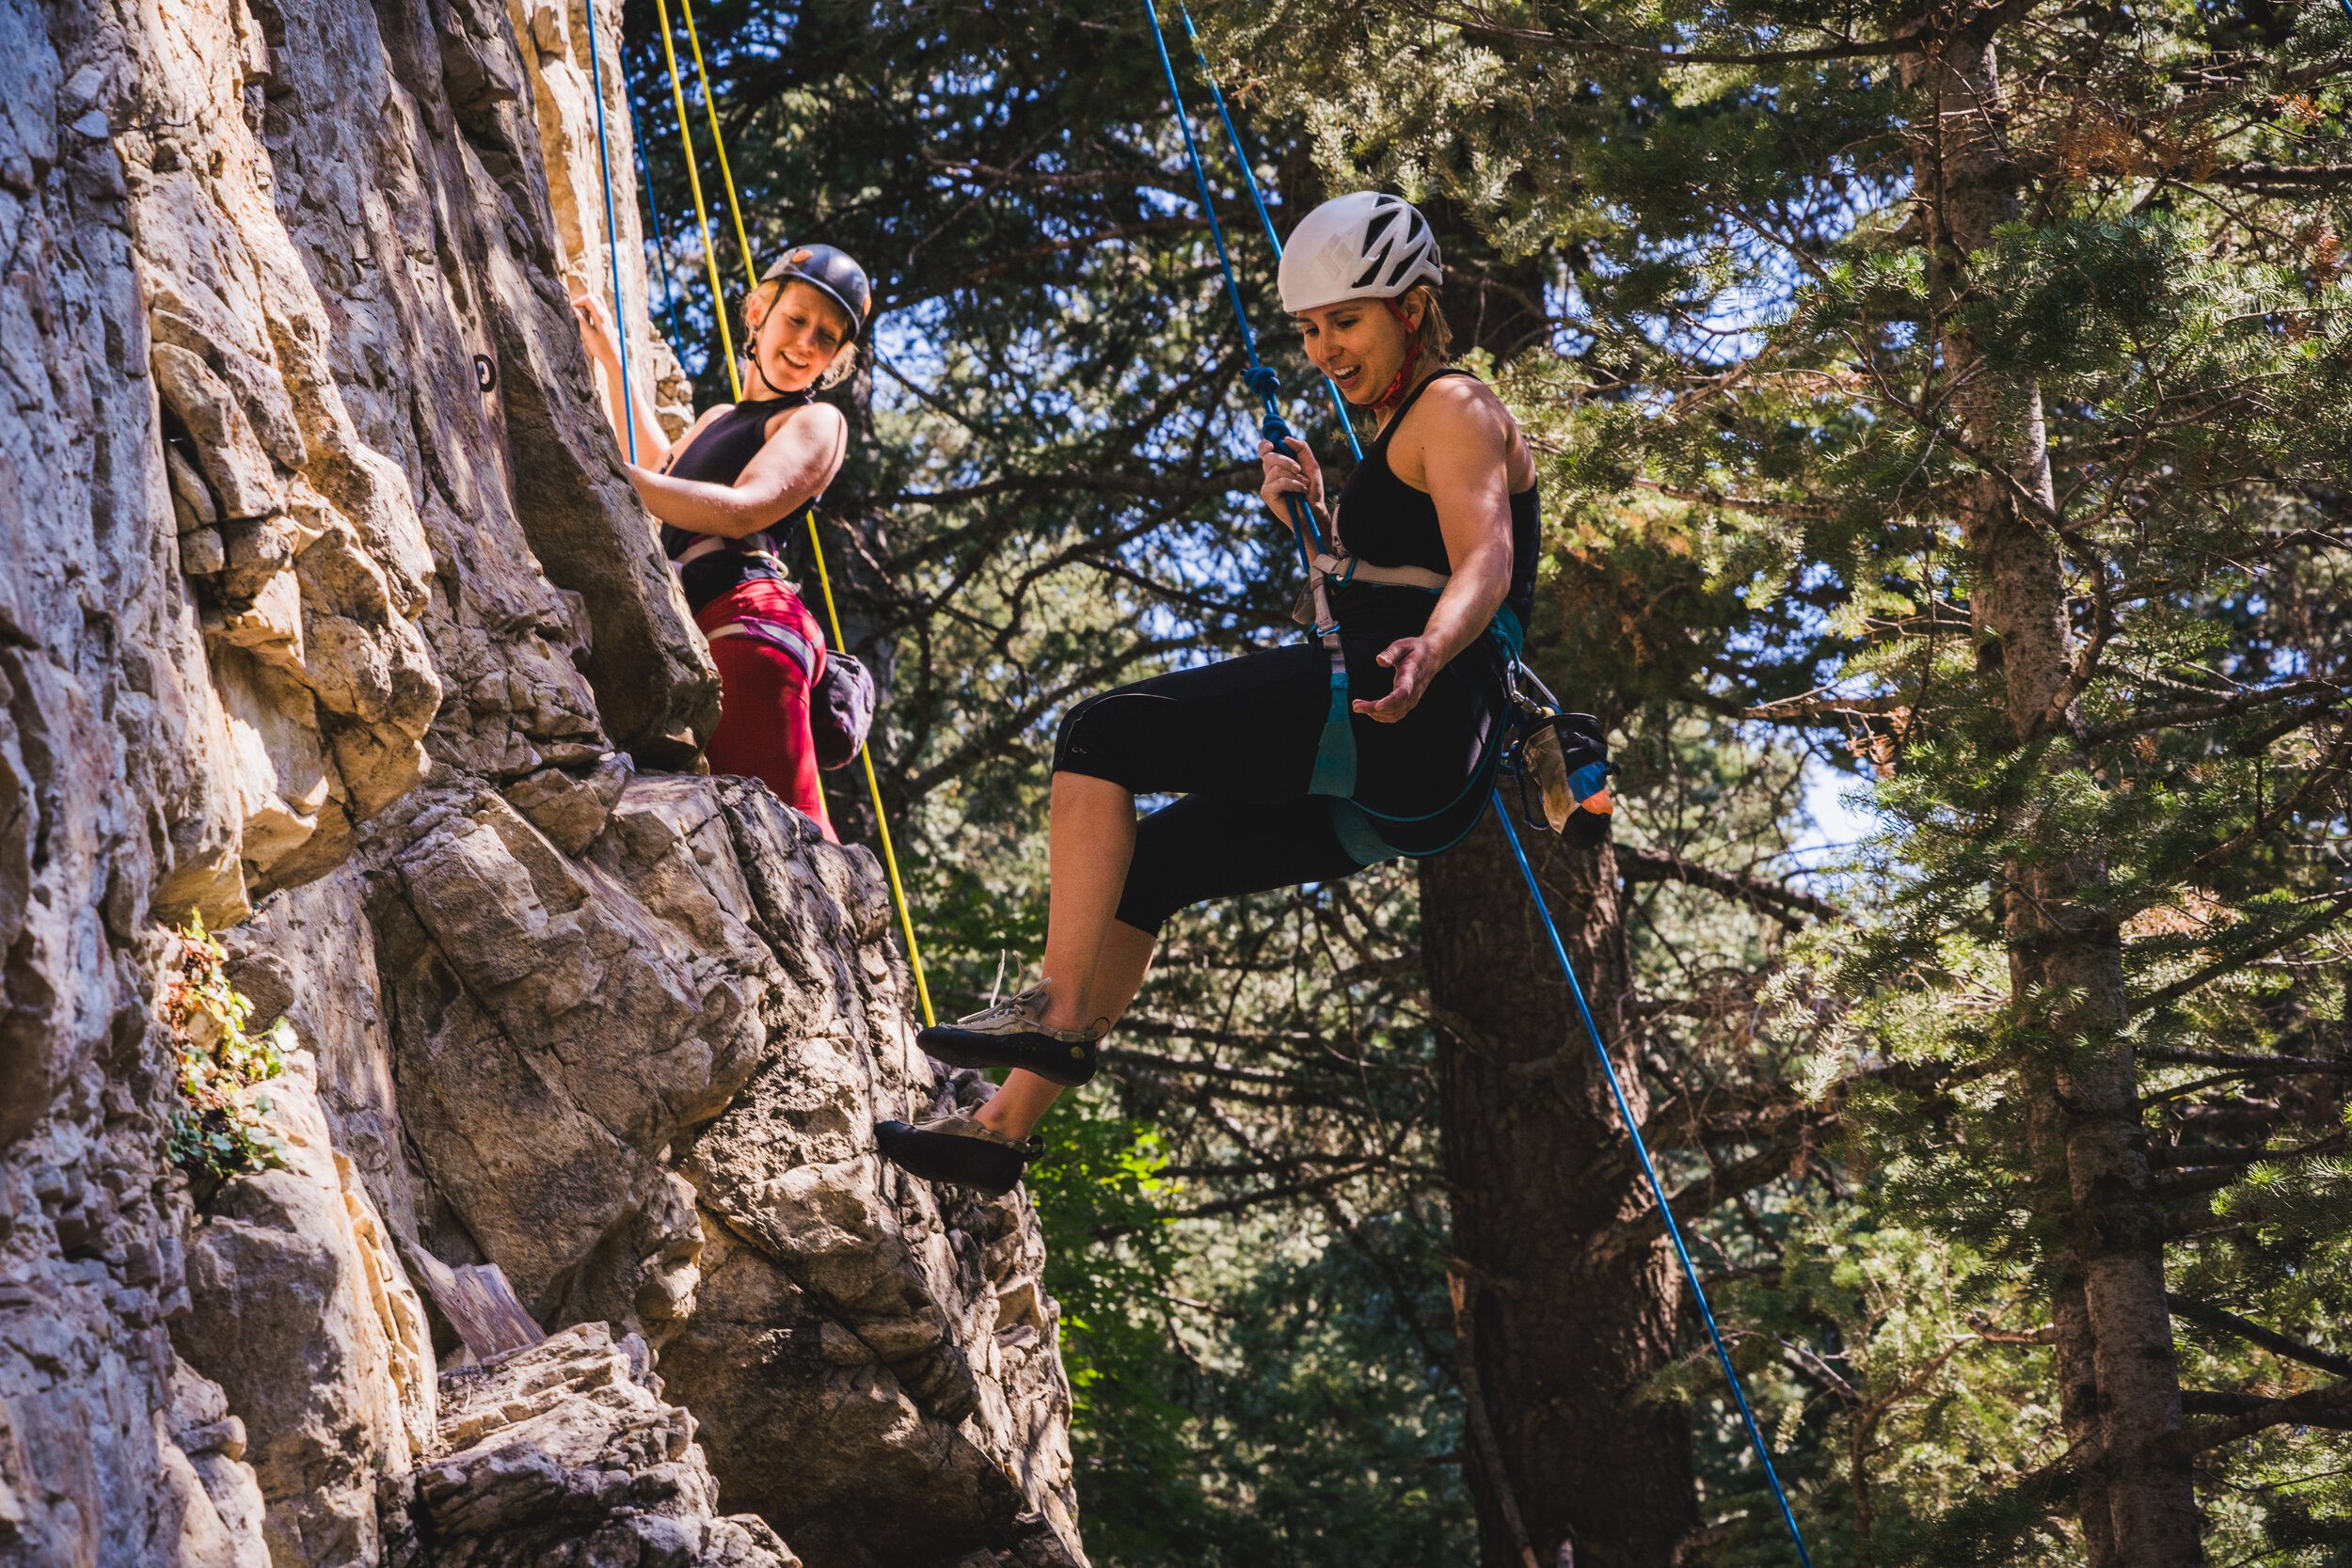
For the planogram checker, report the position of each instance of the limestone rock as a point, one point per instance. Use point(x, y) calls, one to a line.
point(841, 1305)
point(570, 809)
point(101, 795)
point(308, 957)
point(564, 1454)
point(554, 1016)
point(304, 1317)
point(553, 1035)
point(303, 627)
point(240, 471)
point(220, 1501)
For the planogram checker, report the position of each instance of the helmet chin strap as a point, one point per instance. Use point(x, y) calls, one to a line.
point(761, 370)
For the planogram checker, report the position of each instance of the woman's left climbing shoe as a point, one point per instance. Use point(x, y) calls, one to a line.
point(1013, 1033)
point(957, 1148)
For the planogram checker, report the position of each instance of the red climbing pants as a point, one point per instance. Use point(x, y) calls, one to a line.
point(763, 691)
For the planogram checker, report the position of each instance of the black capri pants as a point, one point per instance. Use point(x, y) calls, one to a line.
point(1237, 742)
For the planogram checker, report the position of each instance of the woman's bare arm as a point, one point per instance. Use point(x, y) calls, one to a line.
point(799, 460)
point(596, 336)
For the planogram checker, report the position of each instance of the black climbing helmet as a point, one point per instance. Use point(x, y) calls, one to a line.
point(822, 268)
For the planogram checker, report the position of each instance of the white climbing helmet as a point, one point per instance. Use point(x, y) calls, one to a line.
point(1367, 244)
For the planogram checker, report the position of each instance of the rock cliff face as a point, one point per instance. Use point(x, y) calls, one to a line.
point(328, 615)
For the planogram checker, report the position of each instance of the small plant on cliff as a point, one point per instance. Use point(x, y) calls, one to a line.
point(218, 1128)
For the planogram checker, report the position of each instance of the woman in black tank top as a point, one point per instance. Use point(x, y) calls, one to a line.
point(732, 485)
point(1443, 509)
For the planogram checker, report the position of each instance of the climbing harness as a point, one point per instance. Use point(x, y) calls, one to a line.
point(1545, 739)
point(735, 383)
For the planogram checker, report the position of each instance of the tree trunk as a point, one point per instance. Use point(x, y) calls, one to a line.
point(1557, 1333)
point(1561, 1330)
point(2101, 1231)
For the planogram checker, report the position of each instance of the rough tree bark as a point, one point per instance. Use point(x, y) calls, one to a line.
point(2102, 1236)
point(1564, 1329)
point(1559, 1333)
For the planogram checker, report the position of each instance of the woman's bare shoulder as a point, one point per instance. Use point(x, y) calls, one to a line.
point(1459, 403)
point(817, 418)
point(1458, 413)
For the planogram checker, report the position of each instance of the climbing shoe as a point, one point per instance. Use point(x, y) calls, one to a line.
point(1011, 1033)
point(957, 1148)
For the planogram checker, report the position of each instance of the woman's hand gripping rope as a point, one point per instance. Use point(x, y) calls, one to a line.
point(1288, 476)
point(597, 336)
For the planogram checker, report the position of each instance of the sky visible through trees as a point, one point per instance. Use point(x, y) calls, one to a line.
point(1946, 402)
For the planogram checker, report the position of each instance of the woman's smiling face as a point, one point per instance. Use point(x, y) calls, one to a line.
point(799, 335)
point(1358, 343)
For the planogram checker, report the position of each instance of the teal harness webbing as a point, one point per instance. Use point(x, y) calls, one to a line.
point(1335, 758)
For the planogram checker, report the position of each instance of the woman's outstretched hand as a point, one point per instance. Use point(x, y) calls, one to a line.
point(595, 322)
point(1416, 662)
point(1296, 474)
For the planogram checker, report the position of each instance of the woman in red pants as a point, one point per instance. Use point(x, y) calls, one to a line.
point(746, 474)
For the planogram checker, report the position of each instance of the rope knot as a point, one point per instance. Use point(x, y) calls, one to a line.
point(1262, 380)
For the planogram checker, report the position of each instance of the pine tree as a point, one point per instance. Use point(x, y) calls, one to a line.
point(1997, 353)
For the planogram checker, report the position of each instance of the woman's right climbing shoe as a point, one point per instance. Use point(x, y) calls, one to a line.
point(959, 1149)
point(1011, 1033)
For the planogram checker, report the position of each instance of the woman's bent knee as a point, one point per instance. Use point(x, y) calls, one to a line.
point(1099, 739)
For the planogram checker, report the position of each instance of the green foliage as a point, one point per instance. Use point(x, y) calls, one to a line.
point(1100, 1178)
point(218, 1128)
point(1734, 350)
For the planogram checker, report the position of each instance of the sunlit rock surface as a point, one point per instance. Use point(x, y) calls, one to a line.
point(328, 615)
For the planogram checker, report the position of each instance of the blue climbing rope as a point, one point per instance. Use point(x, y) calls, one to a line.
point(1256, 377)
point(1262, 380)
point(1335, 748)
point(1649, 1171)
point(1257, 199)
point(611, 230)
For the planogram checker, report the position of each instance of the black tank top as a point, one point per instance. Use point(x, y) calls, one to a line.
point(1389, 523)
point(718, 454)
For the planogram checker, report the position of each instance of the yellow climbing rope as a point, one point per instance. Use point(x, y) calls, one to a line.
point(815, 545)
point(717, 142)
point(702, 217)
